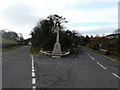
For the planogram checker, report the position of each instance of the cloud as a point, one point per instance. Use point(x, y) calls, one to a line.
point(22, 15)
point(19, 14)
point(92, 30)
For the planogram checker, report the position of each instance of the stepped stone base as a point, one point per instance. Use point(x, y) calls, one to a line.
point(57, 50)
point(56, 56)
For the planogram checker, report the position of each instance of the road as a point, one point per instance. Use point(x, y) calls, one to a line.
point(16, 68)
point(86, 70)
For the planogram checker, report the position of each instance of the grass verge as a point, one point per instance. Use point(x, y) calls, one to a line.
point(115, 58)
point(33, 50)
point(96, 51)
point(11, 48)
point(7, 41)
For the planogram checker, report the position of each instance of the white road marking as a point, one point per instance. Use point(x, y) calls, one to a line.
point(98, 63)
point(88, 54)
point(101, 65)
point(33, 64)
point(33, 80)
point(33, 70)
point(33, 75)
point(92, 58)
point(34, 87)
point(116, 75)
point(32, 57)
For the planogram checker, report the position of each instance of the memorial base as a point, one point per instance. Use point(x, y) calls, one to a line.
point(56, 56)
point(57, 50)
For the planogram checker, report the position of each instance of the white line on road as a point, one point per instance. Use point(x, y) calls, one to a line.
point(32, 57)
point(33, 80)
point(116, 75)
point(34, 87)
point(88, 54)
point(104, 66)
point(101, 65)
point(33, 74)
point(33, 70)
point(92, 58)
point(97, 62)
point(32, 67)
point(33, 64)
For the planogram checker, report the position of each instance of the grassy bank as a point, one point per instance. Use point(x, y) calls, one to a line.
point(33, 50)
point(11, 48)
point(96, 51)
point(117, 58)
point(8, 41)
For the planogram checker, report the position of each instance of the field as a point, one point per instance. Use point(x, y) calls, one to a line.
point(4, 43)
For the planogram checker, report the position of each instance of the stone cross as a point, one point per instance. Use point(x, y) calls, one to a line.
point(57, 47)
point(57, 29)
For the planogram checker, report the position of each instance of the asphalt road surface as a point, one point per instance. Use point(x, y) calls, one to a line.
point(86, 70)
point(16, 68)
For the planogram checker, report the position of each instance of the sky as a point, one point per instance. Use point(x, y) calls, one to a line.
point(88, 17)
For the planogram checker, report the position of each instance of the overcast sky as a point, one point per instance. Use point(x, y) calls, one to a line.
point(85, 16)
